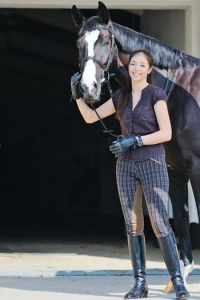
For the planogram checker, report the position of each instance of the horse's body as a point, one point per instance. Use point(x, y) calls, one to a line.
point(179, 75)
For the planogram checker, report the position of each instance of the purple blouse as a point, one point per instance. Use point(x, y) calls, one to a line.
point(140, 121)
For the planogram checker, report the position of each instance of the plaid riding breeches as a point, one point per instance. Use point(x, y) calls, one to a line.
point(151, 177)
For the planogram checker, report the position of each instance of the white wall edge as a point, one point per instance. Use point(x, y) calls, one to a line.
point(118, 4)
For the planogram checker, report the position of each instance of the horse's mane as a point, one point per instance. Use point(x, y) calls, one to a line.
point(164, 56)
point(128, 40)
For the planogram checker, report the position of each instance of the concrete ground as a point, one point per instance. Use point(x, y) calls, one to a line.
point(52, 257)
point(84, 288)
point(79, 269)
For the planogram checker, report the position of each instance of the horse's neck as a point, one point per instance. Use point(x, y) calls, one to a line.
point(125, 38)
point(165, 56)
point(172, 65)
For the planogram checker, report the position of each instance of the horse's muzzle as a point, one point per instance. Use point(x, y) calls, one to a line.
point(90, 100)
point(90, 96)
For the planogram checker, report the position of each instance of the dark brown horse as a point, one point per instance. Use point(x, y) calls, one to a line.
point(104, 47)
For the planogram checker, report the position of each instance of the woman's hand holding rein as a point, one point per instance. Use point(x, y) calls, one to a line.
point(123, 144)
point(75, 86)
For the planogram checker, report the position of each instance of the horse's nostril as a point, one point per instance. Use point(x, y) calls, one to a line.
point(95, 85)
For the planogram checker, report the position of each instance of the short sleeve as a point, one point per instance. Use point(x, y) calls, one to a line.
point(115, 98)
point(159, 94)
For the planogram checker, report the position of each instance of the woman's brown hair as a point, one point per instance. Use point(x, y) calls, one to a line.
point(126, 90)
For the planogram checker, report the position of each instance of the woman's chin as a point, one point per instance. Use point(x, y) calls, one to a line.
point(137, 78)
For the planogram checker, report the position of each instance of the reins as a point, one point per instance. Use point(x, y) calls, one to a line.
point(171, 81)
point(106, 130)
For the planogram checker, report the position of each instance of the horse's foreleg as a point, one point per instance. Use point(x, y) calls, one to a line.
point(178, 192)
point(179, 198)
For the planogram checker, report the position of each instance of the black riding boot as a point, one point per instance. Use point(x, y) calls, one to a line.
point(137, 251)
point(170, 254)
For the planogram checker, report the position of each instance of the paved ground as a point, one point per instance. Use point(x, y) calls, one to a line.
point(52, 257)
point(43, 270)
point(84, 288)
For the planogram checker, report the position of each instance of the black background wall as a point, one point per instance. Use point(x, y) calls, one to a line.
point(55, 170)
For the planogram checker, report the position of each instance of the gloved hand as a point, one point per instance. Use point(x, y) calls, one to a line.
point(120, 146)
point(75, 86)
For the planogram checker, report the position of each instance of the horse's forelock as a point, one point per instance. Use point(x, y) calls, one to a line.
point(92, 24)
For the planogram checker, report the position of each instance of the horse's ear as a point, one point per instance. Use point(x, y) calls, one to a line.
point(77, 17)
point(103, 13)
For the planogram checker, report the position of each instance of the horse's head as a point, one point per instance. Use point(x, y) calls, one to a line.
point(97, 49)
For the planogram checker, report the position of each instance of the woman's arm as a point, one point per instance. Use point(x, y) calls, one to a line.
point(90, 116)
point(164, 133)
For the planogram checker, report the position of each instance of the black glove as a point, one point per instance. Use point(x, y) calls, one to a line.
point(120, 146)
point(75, 86)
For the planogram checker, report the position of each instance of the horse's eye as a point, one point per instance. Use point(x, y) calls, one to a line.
point(106, 43)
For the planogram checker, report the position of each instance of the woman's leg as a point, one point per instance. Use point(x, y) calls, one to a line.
point(137, 250)
point(154, 178)
point(127, 185)
point(170, 254)
point(130, 193)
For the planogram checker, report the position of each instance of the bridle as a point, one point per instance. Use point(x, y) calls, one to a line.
point(107, 75)
point(106, 67)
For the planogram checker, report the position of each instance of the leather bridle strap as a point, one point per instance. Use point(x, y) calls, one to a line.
point(106, 130)
point(106, 66)
point(107, 77)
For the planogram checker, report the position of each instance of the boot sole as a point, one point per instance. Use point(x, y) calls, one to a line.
point(145, 295)
point(183, 297)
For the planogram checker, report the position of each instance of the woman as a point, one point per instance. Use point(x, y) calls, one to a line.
point(145, 125)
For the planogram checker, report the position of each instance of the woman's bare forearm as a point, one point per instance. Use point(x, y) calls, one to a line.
point(90, 116)
point(87, 113)
point(157, 137)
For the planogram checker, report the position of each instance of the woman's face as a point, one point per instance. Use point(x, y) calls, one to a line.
point(139, 67)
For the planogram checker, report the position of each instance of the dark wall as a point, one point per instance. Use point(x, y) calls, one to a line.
point(54, 167)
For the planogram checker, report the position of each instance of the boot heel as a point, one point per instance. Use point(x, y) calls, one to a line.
point(145, 294)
